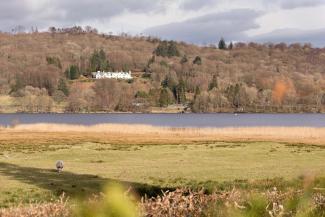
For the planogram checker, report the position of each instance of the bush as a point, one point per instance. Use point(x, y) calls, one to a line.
point(62, 86)
point(167, 49)
point(165, 98)
point(197, 60)
point(54, 61)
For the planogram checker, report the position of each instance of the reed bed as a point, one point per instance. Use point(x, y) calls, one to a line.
point(148, 133)
point(59, 208)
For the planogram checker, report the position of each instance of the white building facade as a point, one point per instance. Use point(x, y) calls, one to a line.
point(112, 75)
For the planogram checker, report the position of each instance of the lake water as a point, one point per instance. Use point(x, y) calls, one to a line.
point(172, 120)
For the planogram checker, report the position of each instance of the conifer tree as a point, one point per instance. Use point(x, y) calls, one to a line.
point(180, 92)
point(222, 44)
point(231, 46)
point(72, 72)
point(98, 61)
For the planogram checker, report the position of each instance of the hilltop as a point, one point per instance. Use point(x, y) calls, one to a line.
point(50, 72)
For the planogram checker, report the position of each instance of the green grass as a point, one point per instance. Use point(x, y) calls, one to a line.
point(27, 175)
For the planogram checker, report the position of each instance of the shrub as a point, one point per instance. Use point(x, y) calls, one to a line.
point(214, 83)
point(54, 61)
point(165, 98)
point(62, 86)
point(167, 49)
point(197, 60)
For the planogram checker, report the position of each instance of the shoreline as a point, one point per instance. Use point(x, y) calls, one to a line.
point(32, 113)
point(148, 134)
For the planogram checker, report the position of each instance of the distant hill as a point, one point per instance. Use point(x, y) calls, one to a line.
point(43, 72)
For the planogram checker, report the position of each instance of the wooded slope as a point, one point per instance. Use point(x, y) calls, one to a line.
point(249, 77)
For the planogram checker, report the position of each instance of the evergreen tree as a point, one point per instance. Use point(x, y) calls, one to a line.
point(231, 46)
point(104, 65)
point(197, 60)
point(222, 44)
point(98, 61)
point(63, 86)
point(164, 99)
point(165, 83)
point(72, 72)
point(180, 92)
point(214, 83)
point(94, 61)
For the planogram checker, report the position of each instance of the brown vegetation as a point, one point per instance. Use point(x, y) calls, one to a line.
point(138, 134)
point(185, 202)
point(249, 77)
point(59, 208)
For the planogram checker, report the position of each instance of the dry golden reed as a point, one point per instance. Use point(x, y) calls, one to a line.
point(142, 133)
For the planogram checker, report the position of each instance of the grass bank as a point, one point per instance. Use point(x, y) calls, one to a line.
point(151, 159)
point(137, 134)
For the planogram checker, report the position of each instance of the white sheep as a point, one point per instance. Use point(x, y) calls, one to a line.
point(59, 166)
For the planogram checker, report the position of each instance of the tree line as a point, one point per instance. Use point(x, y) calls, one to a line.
point(247, 77)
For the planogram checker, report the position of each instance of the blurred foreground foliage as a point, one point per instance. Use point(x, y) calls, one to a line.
point(115, 202)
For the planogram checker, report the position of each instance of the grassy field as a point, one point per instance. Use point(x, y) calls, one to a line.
point(27, 161)
point(148, 163)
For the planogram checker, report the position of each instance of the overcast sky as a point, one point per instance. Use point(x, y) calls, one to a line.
point(195, 21)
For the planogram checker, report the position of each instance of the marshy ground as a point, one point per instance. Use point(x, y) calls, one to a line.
point(148, 161)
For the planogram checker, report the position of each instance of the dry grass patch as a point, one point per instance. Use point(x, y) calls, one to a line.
point(120, 133)
point(59, 208)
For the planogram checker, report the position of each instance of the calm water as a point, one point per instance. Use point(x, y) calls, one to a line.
point(172, 120)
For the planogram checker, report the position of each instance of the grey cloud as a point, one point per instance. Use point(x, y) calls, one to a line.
point(14, 9)
point(291, 4)
point(196, 4)
point(68, 12)
point(205, 29)
point(12, 13)
point(90, 9)
point(209, 28)
point(315, 37)
point(285, 4)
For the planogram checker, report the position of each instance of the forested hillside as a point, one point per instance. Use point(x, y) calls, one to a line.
point(50, 72)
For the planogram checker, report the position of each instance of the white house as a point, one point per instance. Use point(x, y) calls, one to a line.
point(112, 75)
